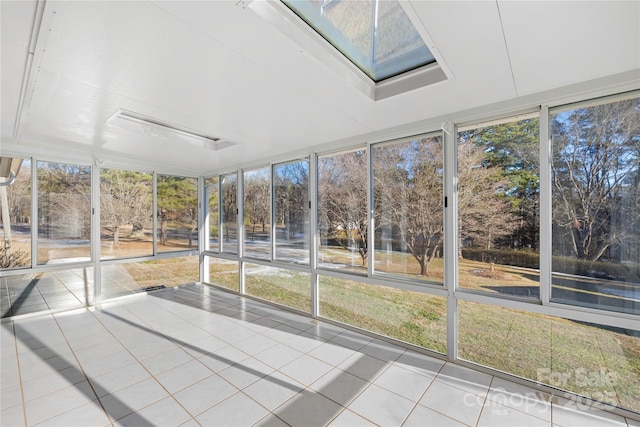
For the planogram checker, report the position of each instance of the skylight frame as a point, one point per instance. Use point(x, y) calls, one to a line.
point(396, 65)
point(293, 27)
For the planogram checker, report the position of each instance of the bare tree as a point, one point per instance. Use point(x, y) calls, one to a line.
point(484, 213)
point(342, 200)
point(257, 200)
point(596, 162)
point(125, 199)
point(409, 195)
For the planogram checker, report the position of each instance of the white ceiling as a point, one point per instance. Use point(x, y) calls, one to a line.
point(220, 68)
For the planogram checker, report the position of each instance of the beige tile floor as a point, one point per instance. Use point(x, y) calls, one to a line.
point(194, 355)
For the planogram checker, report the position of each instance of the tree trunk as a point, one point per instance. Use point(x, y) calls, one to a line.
point(424, 267)
point(116, 235)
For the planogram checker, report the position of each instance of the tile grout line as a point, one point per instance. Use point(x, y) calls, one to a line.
point(144, 367)
point(81, 370)
point(15, 343)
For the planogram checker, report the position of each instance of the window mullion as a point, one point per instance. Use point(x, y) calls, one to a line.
point(545, 207)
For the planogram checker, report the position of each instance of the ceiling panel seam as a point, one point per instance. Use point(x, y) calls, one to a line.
point(506, 47)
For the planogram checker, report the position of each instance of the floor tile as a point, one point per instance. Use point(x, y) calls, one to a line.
point(223, 358)
point(496, 415)
point(278, 356)
point(10, 396)
point(56, 403)
point(246, 372)
point(521, 398)
point(420, 363)
point(46, 384)
point(331, 353)
point(271, 420)
point(568, 413)
point(162, 362)
point(465, 379)
point(102, 365)
point(403, 382)
point(382, 406)
point(183, 375)
point(118, 379)
point(255, 344)
point(273, 390)
point(382, 350)
point(453, 402)
point(340, 386)
point(87, 415)
point(12, 416)
point(347, 418)
point(237, 410)
point(364, 366)
point(425, 417)
point(204, 394)
point(633, 423)
point(133, 398)
point(308, 409)
point(305, 369)
point(303, 342)
point(166, 412)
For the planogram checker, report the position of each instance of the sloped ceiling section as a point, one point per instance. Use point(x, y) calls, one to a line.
point(221, 69)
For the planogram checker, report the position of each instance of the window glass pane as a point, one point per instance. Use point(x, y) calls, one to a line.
point(596, 206)
point(342, 211)
point(126, 218)
point(15, 202)
point(499, 208)
point(64, 212)
point(214, 216)
point(291, 189)
point(177, 213)
point(55, 290)
point(408, 208)
point(405, 315)
point(229, 236)
point(127, 278)
point(377, 36)
point(224, 273)
point(599, 362)
point(286, 287)
point(257, 213)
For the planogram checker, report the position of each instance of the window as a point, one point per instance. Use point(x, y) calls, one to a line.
point(126, 218)
point(126, 278)
point(64, 212)
point(213, 197)
point(15, 195)
point(223, 272)
point(375, 35)
point(229, 220)
point(177, 213)
point(499, 207)
point(287, 287)
point(408, 316)
point(257, 213)
point(596, 206)
point(342, 211)
point(291, 220)
point(408, 208)
point(591, 360)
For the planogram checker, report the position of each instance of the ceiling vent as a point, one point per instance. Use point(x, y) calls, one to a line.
point(160, 128)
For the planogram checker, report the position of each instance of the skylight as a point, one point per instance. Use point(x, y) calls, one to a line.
point(375, 35)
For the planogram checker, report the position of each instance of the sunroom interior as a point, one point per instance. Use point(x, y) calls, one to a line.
point(448, 190)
